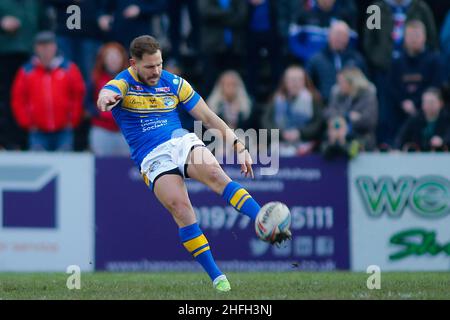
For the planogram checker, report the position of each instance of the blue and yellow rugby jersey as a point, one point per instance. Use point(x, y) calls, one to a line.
point(148, 115)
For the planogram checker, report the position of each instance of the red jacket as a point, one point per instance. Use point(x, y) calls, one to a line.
point(48, 100)
point(104, 120)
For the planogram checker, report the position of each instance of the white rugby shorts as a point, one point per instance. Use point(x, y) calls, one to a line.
point(169, 158)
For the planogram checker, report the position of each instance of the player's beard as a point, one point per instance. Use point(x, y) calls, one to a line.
point(154, 80)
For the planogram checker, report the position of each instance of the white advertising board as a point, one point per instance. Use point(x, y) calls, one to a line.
point(400, 212)
point(46, 211)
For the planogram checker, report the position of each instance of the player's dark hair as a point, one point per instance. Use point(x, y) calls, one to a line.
point(143, 44)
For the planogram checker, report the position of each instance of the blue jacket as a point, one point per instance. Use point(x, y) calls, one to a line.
point(309, 34)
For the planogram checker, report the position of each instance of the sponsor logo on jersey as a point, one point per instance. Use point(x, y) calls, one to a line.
point(162, 89)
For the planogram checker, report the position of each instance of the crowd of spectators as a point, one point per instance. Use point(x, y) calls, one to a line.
point(310, 68)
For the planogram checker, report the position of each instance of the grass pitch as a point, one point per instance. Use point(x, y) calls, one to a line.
point(245, 286)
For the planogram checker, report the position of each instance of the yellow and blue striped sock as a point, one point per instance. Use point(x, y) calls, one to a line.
point(240, 199)
point(196, 243)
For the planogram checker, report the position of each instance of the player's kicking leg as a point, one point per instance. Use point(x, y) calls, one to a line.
point(203, 166)
point(171, 192)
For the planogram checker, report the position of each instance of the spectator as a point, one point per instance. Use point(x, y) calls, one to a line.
point(19, 23)
point(105, 138)
point(384, 44)
point(445, 45)
point(324, 66)
point(286, 13)
point(297, 111)
point(79, 45)
point(123, 20)
point(429, 129)
point(223, 37)
point(230, 100)
point(309, 34)
point(175, 16)
point(416, 69)
point(351, 115)
point(47, 97)
point(264, 45)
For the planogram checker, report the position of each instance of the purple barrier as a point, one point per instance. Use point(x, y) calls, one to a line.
point(135, 233)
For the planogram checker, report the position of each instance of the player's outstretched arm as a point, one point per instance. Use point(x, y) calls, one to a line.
point(210, 120)
point(107, 99)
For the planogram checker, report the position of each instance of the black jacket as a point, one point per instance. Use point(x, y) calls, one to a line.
point(125, 30)
point(214, 21)
point(414, 131)
point(411, 76)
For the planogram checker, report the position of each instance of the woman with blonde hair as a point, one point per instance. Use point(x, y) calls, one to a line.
point(230, 100)
point(352, 114)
